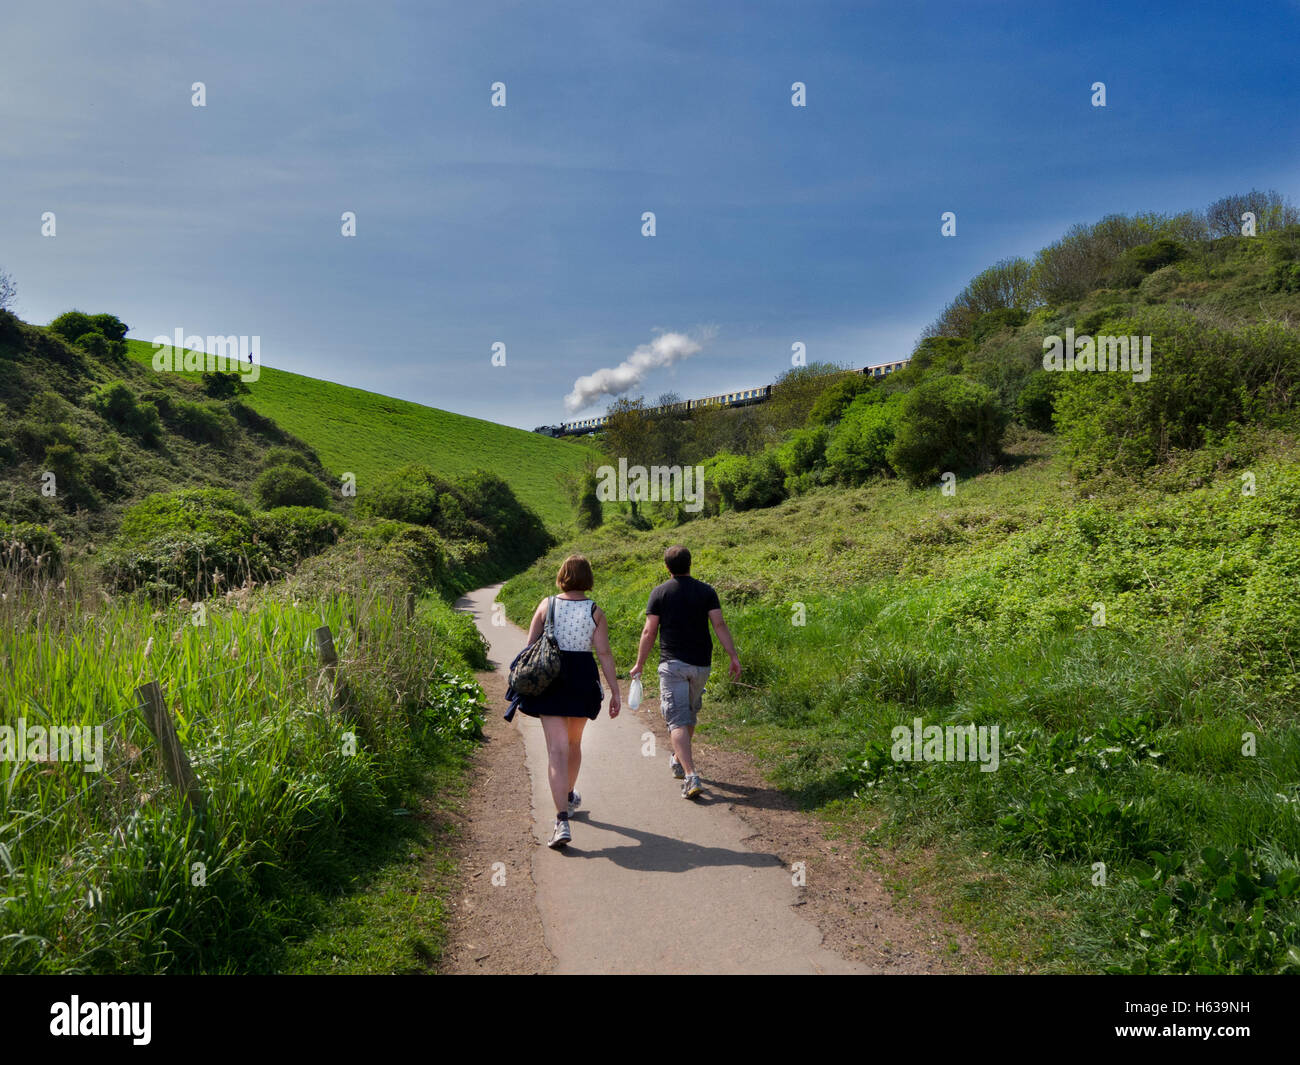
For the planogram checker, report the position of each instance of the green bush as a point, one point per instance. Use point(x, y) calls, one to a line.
point(30, 548)
point(204, 423)
point(297, 532)
point(71, 325)
point(1037, 400)
point(834, 401)
point(205, 510)
point(1160, 283)
point(219, 385)
point(72, 484)
point(746, 483)
point(290, 486)
point(285, 456)
point(946, 424)
point(117, 403)
point(1203, 379)
point(859, 446)
point(995, 321)
point(94, 344)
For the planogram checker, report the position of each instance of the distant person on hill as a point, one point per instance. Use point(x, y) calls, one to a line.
point(574, 697)
point(680, 611)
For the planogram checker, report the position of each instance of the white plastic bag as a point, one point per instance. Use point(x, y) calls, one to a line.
point(634, 693)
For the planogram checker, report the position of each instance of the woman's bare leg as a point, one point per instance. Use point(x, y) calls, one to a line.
point(557, 756)
point(575, 727)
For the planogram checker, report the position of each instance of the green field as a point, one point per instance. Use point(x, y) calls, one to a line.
point(354, 431)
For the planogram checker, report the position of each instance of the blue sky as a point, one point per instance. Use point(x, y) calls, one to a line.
point(522, 224)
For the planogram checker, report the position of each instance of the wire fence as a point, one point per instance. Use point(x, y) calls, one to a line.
point(151, 707)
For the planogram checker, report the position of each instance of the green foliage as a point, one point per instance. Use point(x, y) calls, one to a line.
point(290, 486)
point(1226, 916)
point(219, 385)
point(93, 344)
point(1203, 379)
point(946, 424)
point(997, 320)
point(30, 549)
point(1036, 402)
point(71, 325)
point(204, 423)
point(835, 399)
point(72, 482)
point(285, 456)
point(1137, 262)
point(745, 483)
point(118, 404)
point(298, 532)
point(590, 512)
point(859, 447)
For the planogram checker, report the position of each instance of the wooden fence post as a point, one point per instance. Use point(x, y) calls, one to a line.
point(176, 763)
point(329, 661)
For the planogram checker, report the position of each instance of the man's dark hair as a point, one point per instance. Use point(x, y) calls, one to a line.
point(678, 560)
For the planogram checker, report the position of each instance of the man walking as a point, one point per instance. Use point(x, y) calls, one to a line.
point(680, 611)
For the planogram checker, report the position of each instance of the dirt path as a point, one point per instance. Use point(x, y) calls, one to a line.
point(653, 883)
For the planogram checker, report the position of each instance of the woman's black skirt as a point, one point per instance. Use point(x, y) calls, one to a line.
point(576, 692)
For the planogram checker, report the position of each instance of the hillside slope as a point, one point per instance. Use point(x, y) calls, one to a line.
point(368, 434)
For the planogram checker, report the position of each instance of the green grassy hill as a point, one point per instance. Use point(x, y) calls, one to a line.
point(368, 434)
point(1122, 742)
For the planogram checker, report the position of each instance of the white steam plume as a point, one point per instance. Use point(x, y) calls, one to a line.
point(664, 350)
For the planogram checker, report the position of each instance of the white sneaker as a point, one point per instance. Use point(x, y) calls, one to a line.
point(575, 802)
point(692, 787)
point(676, 767)
point(561, 837)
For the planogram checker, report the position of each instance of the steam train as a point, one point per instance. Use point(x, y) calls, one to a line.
point(744, 398)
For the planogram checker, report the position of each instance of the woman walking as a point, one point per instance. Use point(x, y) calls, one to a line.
point(575, 696)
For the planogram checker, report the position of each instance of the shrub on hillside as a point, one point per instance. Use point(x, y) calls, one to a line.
point(996, 321)
point(803, 457)
point(409, 494)
point(1037, 400)
point(30, 549)
point(747, 483)
point(285, 456)
point(1158, 285)
point(219, 385)
point(835, 400)
point(71, 325)
point(204, 423)
point(516, 534)
point(94, 344)
point(117, 403)
point(859, 447)
point(297, 532)
point(946, 424)
point(207, 510)
point(1203, 379)
point(290, 486)
point(72, 484)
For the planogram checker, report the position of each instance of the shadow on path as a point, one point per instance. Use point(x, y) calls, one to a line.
point(663, 854)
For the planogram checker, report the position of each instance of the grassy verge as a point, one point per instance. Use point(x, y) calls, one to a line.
point(107, 872)
point(1134, 649)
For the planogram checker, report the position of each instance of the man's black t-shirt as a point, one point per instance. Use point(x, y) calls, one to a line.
point(683, 605)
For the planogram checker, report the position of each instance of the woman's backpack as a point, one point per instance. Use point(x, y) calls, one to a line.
point(538, 664)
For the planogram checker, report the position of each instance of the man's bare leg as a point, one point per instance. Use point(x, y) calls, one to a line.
point(681, 738)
